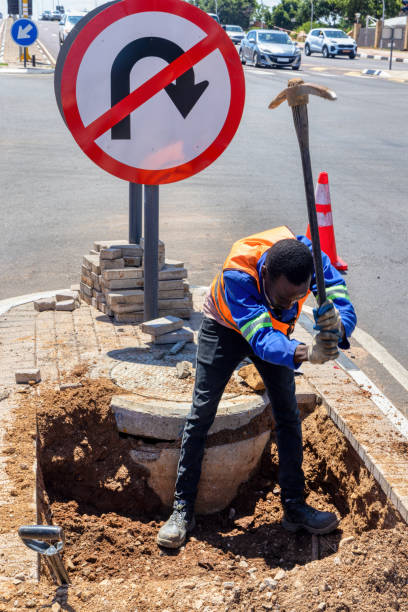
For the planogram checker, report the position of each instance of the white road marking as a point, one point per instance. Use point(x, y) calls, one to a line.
point(382, 356)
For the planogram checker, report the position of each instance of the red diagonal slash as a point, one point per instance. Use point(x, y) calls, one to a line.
point(146, 91)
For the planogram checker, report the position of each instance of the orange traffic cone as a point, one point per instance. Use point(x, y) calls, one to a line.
point(325, 222)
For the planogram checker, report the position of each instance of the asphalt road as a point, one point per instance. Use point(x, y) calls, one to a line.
point(56, 202)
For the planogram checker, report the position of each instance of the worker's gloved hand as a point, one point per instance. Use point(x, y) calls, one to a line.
point(327, 318)
point(323, 347)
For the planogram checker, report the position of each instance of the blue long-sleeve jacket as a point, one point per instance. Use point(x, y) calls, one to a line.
point(246, 305)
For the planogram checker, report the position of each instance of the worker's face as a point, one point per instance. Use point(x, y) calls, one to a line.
point(280, 293)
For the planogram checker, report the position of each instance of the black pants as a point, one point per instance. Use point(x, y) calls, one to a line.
point(220, 350)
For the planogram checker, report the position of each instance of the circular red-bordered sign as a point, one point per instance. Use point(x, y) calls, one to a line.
point(152, 90)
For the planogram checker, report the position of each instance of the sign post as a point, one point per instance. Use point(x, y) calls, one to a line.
point(153, 93)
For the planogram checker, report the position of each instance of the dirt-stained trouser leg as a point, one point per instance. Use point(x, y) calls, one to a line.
point(220, 350)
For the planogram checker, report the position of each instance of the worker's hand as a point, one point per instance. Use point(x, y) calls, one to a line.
point(323, 347)
point(327, 318)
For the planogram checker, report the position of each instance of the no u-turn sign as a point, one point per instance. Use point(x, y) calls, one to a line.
point(152, 90)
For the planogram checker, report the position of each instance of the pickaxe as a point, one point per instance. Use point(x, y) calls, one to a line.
point(297, 95)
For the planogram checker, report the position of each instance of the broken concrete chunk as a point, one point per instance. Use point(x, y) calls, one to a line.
point(107, 244)
point(183, 369)
point(180, 335)
point(45, 304)
point(65, 386)
point(67, 294)
point(252, 377)
point(163, 325)
point(27, 375)
point(112, 253)
point(66, 305)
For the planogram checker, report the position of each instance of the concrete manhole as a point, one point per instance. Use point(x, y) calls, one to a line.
point(156, 412)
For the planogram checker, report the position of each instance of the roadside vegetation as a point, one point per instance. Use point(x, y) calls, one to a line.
point(296, 14)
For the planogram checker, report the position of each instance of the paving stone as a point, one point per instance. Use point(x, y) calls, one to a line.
point(122, 308)
point(179, 335)
point(183, 313)
point(75, 287)
point(163, 325)
point(85, 289)
point(129, 317)
point(45, 304)
point(132, 250)
point(130, 296)
point(174, 263)
point(116, 274)
point(176, 303)
point(67, 294)
point(176, 294)
point(92, 263)
point(123, 283)
point(65, 305)
point(86, 298)
point(107, 244)
point(113, 253)
point(86, 272)
point(96, 281)
point(133, 262)
point(28, 374)
point(167, 285)
point(112, 264)
point(172, 273)
point(86, 281)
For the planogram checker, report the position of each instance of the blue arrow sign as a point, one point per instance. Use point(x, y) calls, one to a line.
point(24, 32)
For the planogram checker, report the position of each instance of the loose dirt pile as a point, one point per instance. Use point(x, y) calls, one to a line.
point(238, 559)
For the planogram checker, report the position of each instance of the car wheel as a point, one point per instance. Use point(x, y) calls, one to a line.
point(307, 49)
point(352, 55)
point(241, 56)
point(325, 52)
point(256, 59)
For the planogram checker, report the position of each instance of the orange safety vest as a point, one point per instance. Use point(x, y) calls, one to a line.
point(244, 256)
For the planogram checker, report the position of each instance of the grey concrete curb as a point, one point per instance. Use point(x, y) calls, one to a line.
point(8, 303)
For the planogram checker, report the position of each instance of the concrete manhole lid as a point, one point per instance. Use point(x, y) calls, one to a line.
point(157, 382)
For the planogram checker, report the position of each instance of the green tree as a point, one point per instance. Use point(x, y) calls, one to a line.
point(237, 12)
point(284, 15)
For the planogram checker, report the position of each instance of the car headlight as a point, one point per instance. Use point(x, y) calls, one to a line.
point(297, 51)
point(263, 50)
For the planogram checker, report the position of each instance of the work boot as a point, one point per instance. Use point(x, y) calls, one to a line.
point(299, 515)
point(174, 531)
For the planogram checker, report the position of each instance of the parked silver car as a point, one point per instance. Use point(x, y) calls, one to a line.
point(269, 48)
point(330, 42)
point(235, 33)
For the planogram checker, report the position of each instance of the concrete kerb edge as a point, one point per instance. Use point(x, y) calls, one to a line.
point(8, 303)
point(46, 52)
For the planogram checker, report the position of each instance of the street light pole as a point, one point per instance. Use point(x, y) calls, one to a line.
point(311, 15)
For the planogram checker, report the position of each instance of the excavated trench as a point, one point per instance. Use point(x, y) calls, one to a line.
point(89, 484)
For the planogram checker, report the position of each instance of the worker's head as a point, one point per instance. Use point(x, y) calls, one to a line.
point(287, 273)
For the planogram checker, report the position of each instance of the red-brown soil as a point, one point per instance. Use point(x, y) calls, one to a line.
point(111, 517)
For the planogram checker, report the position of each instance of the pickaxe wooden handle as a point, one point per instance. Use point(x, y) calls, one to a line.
point(297, 96)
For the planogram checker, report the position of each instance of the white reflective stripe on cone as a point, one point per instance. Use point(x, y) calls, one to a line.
point(324, 219)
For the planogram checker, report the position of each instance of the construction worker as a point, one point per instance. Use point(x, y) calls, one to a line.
point(250, 311)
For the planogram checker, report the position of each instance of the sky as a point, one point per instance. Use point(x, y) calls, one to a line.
point(79, 5)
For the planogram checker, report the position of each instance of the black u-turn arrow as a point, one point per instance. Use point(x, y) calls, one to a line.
point(184, 93)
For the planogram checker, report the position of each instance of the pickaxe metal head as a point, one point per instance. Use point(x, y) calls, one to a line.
point(297, 93)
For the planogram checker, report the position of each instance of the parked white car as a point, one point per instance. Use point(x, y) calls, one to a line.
point(67, 23)
point(330, 42)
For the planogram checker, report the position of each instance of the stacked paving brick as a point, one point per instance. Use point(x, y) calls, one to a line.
point(112, 280)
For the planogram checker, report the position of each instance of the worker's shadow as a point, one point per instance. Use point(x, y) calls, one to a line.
point(60, 597)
